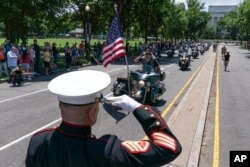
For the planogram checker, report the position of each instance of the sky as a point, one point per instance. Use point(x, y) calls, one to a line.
point(217, 2)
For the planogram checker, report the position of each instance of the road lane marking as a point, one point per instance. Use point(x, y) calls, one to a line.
point(180, 92)
point(17, 97)
point(216, 156)
point(117, 69)
point(28, 135)
point(34, 132)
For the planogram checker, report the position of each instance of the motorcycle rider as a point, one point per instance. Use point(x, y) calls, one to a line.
point(148, 59)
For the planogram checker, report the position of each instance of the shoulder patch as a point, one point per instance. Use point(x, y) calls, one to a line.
point(136, 146)
point(164, 140)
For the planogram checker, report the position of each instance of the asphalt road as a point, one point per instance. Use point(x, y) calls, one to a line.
point(234, 104)
point(28, 108)
point(234, 116)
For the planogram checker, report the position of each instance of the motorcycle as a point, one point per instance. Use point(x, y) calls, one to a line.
point(145, 86)
point(184, 62)
point(195, 53)
point(202, 49)
point(170, 53)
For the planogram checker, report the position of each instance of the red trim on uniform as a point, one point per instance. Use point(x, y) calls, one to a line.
point(45, 130)
point(75, 126)
point(71, 135)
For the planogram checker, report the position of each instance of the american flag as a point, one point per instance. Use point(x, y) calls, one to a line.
point(114, 43)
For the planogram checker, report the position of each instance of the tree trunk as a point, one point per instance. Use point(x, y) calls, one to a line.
point(146, 25)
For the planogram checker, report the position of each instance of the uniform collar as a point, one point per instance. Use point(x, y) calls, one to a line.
point(74, 130)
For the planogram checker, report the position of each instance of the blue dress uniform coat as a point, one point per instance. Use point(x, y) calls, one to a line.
point(75, 146)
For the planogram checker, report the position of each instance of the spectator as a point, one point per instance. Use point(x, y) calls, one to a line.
point(18, 53)
point(36, 49)
point(81, 49)
point(46, 58)
point(55, 52)
point(26, 59)
point(74, 54)
point(67, 58)
point(66, 48)
point(3, 64)
point(7, 46)
point(95, 48)
point(12, 59)
point(99, 52)
point(32, 54)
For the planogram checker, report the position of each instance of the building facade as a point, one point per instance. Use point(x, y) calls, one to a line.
point(218, 12)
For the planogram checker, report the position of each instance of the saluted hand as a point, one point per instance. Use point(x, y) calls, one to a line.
point(124, 101)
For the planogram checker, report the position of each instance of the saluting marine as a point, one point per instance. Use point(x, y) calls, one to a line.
point(72, 143)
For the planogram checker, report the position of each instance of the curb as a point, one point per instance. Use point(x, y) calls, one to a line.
point(193, 160)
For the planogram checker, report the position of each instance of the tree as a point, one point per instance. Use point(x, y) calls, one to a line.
point(176, 22)
point(16, 14)
point(197, 19)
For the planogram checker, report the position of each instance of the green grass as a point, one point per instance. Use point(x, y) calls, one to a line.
point(62, 41)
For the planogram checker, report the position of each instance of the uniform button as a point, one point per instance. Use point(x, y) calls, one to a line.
point(146, 108)
point(157, 123)
point(152, 115)
point(92, 136)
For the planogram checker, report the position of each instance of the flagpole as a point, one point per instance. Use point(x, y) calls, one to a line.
point(126, 59)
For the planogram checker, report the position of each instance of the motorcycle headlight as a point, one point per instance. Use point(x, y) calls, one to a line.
point(141, 83)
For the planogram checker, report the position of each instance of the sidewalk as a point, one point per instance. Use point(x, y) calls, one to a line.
point(188, 119)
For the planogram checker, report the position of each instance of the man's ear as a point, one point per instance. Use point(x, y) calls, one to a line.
point(92, 114)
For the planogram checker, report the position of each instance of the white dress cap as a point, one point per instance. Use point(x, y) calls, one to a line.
point(79, 87)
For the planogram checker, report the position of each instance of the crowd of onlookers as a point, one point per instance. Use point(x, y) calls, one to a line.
point(42, 59)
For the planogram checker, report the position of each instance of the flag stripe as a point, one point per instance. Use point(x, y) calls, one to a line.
point(109, 47)
point(110, 52)
point(111, 60)
point(113, 54)
point(114, 47)
point(114, 43)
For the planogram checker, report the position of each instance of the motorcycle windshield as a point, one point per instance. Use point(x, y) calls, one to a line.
point(148, 69)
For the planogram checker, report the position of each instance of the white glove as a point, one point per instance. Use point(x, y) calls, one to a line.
point(124, 101)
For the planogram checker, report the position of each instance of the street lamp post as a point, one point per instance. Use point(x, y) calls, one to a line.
point(87, 32)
